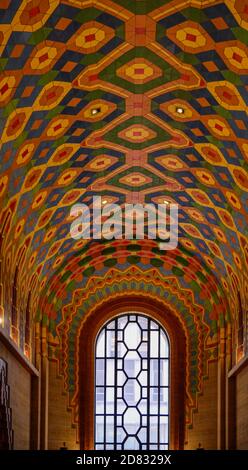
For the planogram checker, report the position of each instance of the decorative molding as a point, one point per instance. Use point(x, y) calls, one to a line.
point(238, 367)
point(10, 345)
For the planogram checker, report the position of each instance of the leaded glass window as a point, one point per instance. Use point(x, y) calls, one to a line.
point(132, 385)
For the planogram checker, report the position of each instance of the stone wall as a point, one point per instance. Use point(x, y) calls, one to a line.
point(60, 427)
point(19, 381)
point(204, 428)
point(242, 409)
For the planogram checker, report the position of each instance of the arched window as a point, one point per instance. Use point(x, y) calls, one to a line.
point(132, 362)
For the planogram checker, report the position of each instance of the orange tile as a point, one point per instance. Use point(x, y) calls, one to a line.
point(197, 132)
point(27, 91)
point(17, 50)
point(220, 23)
point(78, 132)
point(210, 66)
point(43, 152)
point(203, 102)
point(84, 179)
point(231, 152)
point(192, 157)
point(241, 125)
point(37, 123)
point(74, 102)
point(187, 179)
point(7, 155)
point(69, 66)
point(63, 23)
point(223, 176)
point(183, 198)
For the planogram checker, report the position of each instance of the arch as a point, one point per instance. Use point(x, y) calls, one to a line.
point(93, 324)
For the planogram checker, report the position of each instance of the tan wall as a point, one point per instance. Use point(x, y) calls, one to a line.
point(60, 428)
point(204, 429)
point(242, 409)
point(19, 381)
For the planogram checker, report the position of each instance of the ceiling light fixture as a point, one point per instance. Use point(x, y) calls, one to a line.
point(95, 111)
point(104, 202)
point(179, 110)
point(166, 202)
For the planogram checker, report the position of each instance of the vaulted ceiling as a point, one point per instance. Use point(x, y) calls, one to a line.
point(137, 62)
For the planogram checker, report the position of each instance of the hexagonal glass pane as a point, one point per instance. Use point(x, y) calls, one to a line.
point(132, 364)
point(131, 420)
point(131, 392)
point(132, 335)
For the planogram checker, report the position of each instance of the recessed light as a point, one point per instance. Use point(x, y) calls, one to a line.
point(166, 202)
point(104, 202)
point(95, 111)
point(179, 110)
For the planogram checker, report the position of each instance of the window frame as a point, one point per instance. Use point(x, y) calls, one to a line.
point(152, 386)
point(173, 326)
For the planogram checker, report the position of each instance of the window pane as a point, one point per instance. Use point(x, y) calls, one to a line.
point(164, 429)
point(100, 345)
point(154, 335)
point(164, 372)
point(110, 400)
point(110, 374)
point(164, 345)
point(99, 371)
point(99, 428)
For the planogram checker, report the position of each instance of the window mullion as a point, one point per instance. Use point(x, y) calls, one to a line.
point(148, 383)
point(105, 388)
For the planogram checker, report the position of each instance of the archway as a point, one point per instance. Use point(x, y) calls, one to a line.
point(90, 329)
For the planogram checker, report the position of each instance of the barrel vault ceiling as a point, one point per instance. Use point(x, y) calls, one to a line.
point(136, 62)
